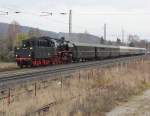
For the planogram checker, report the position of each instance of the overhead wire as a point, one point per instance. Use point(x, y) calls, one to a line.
point(48, 13)
point(114, 13)
point(81, 13)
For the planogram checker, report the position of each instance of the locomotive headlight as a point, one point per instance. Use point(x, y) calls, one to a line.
point(18, 48)
point(16, 55)
point(31, 48)
point(29, 55)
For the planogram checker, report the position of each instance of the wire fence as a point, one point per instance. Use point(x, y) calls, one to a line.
point(8, 96)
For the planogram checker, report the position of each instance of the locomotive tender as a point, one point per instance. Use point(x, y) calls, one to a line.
point(49, 51)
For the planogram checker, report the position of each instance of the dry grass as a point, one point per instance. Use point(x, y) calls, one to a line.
point(88, 93)
point(116, 86)
point(7, 66)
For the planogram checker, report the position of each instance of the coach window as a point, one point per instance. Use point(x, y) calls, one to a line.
point(41, 43)
point(38, 43)
point(44, 44)
point(27, 44)
point(32, 43)
point(48, 44)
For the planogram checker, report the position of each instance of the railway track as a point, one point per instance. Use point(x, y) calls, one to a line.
point(9, 79)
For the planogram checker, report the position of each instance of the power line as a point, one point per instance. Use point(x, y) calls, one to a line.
point(49, 13)
point(3, 13)
point(114, 13)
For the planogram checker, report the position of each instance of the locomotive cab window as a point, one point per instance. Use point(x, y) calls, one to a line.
point(27, 43)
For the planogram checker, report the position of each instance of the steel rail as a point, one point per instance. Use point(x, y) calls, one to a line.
point(41, 74)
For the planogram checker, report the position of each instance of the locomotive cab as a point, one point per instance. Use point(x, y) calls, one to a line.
point(35, 51)
point(24, 53)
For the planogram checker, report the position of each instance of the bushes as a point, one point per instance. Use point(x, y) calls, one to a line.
point(6, 55)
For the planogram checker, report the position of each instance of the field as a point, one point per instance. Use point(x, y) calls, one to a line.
point(90, 92)
point(7, 66)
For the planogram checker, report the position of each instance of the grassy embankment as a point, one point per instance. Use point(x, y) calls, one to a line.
point(4, 66)
point(89, 92)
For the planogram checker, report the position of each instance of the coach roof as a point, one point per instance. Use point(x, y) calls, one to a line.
point(106, 46)
point(94, 45)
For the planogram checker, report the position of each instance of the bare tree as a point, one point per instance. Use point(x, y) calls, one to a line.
point(133, 40)
point(13, 32)
point(118, 41)
point(34, 32)
point(4, 51)
point(102, 40)
point(143, 43)
point(20, 37)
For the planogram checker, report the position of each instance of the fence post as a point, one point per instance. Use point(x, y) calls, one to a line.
point(61, 82)
point(35, 87)
point(9, 96)
point(79, 76)
point(121, 66)
point(117, 66)
point(92, 73)
point(88, 75)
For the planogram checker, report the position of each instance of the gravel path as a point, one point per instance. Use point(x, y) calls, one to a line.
point(137, 106)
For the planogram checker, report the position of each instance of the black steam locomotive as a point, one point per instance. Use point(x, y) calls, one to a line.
point(50, 51)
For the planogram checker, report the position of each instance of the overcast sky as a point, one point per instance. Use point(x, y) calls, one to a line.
point(88, 15)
